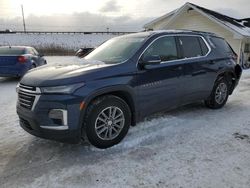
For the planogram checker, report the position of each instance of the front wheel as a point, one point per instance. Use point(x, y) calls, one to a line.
point(219, 95)
point(107, 121)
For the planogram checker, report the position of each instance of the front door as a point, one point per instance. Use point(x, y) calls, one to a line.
point(159, 86)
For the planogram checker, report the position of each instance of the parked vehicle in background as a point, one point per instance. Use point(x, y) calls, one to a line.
point(7, 31)
point(124, 80)
point(82, 52)
point(15, 61)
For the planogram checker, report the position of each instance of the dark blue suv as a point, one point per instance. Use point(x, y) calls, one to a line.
point(124, 80)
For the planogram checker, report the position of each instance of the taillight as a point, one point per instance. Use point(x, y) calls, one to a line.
point(22, 59)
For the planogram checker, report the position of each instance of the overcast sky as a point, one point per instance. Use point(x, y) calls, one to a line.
point(97, 15)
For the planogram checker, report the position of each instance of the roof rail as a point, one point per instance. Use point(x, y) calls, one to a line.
point(183, 30)
point(203, 32)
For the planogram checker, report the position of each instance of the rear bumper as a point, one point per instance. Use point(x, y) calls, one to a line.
point(10, 75)
point(237, 76)
point(13, 71)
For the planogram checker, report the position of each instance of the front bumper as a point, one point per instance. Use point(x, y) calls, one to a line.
point(38, 123)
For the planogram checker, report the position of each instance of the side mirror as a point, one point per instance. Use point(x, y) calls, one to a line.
point(151, 60)
point(40, 55)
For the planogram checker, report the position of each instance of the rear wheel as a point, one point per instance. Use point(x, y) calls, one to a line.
point(219, 95)
point(107, 121)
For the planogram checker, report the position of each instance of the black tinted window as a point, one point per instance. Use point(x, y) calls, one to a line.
point(190, 46)
point(164, 47)
point(221, 44)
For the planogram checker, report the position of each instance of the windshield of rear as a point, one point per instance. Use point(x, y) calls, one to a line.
point(116, 50)
point(11, 51)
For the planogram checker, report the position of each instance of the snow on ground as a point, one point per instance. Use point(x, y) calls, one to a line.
point(188, 147)
point(68, 41)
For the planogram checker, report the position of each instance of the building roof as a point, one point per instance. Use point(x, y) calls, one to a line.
point(240, 26)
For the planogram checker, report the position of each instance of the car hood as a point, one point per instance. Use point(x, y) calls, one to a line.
point(61, 74)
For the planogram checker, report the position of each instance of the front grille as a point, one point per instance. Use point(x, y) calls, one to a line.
point(26, 100)
point(26, 96)
point(31, 88)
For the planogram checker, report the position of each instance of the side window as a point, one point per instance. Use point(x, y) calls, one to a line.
point(221, 44)
point(190, 46)
point(164, 47)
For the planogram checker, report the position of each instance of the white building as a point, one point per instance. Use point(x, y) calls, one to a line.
point(193, 17)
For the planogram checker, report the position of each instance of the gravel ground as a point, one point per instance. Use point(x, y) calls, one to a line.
point(188, 147)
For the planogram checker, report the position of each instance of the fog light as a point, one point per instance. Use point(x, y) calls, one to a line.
point(60, 118)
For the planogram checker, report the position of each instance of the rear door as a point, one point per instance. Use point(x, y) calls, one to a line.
point(160, 86)
point(197, 68)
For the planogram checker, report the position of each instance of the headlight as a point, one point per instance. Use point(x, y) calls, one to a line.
point(67, 89)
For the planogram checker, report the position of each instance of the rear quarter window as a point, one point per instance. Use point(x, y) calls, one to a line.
point(221, 45)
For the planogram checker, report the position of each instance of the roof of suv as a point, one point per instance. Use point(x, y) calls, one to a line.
point(151, 33)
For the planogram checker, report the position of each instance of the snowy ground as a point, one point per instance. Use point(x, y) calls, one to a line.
point(68, 41)
point(188, 147)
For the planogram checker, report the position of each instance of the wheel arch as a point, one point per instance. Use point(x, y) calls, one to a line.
point(123, 92)
point(232, 76)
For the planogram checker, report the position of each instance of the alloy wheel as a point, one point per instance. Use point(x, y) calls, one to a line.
point(109, 123)
point(221, 93)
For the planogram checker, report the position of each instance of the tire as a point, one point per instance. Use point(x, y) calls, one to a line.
point(219, 95)
point(102, 129)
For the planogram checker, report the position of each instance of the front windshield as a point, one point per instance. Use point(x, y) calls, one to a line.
point(116, 50)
